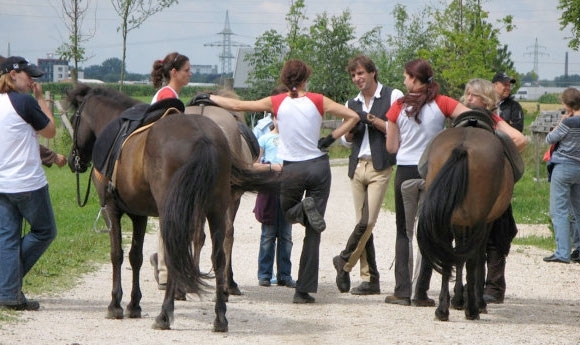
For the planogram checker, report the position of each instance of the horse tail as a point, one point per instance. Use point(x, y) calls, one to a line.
point(251, 180)
point(445, 193)
point(182, 223)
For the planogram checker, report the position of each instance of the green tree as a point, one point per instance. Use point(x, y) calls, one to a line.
point(328, 50)
point(412, 36)
point(74, 13)
point(465, 45)
point(571, 17)
point(133, 13)
point(266, 60)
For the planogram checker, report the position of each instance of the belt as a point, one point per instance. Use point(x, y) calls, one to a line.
point(367, 158)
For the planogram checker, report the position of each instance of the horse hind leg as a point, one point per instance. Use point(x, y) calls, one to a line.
point(442, 311)
point(231, 286)
point(114, 310)
point(472, 305)
point(217, 228)
point(165, 318)
point(136, 261)
point(458, 300)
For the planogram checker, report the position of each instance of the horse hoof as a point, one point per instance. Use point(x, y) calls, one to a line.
point(234, 291)
point(161, 323)
point(115, 314)
point(472, 317)
point(219, 326)
point(441, 315)
point(134, 313)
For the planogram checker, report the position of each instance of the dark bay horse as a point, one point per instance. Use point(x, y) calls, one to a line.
point(243, 145)
point(181, 170)
point(469, 184)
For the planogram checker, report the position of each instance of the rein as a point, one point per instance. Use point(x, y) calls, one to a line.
point(76, 156)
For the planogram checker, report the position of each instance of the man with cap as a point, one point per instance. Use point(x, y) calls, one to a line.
point(509, 109)
point(23, 184)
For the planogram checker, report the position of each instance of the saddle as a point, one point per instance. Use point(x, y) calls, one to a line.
point(203, 100)
point(108, 145)
point(481, 118)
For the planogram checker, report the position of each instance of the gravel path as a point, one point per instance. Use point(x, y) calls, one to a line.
point(542, 304)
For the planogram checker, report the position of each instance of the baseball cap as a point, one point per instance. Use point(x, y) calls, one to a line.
point(502, 77)
point(18, 63)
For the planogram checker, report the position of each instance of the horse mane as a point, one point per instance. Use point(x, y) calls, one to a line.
point(76, 96)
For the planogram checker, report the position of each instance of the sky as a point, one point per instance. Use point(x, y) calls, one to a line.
point(35, 28)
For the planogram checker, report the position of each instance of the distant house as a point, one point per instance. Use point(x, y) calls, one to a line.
point(204, 69)
point(242, 68)
point(55, 70)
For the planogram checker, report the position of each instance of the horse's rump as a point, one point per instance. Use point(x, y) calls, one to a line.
point(464, 192)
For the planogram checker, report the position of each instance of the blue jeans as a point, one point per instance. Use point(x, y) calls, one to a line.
point(18, 254)
point(276, 239)
point(564, 201)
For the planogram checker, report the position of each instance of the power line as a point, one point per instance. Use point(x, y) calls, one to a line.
point(226, 43)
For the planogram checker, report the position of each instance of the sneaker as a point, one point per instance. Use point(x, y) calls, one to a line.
point(315, 219)
point(575, 256)
point(392, 299)
point(423, 302)
point(291, 283)
point(302, 298)
point(342, 277)
point(490, 299)
point(264, 282)
point(23, 304)
point(366, 288)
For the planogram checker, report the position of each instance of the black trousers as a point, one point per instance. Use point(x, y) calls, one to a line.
point(306, 178)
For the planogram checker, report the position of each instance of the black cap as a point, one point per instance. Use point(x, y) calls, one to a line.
point(18, 63)
point(503, 78)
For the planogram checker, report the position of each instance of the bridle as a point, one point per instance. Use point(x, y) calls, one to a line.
point(75, 155)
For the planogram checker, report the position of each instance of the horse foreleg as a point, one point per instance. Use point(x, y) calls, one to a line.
point(136, 261)
point(458, 300)
point(115, 311)
point(442, 311)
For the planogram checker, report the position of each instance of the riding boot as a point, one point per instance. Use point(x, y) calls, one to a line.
point(372, 262)
point(495, 284)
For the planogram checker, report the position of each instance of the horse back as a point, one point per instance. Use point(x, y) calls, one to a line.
point(171, 143)
point(489, 186)
point(229, 123)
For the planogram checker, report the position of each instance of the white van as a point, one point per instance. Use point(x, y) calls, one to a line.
point(522, 94)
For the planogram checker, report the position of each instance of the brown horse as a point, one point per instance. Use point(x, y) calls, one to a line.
point(243, 145)
point(181, 170)
point(469, 184)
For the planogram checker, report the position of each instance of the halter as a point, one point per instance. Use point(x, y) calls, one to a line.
point(76, 120)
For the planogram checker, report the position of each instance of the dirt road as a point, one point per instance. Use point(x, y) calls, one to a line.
point(542, 304)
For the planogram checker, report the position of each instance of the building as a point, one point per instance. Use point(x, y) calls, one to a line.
point(204, 69)
point(55, 70)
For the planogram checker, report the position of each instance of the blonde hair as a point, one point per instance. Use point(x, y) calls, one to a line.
point(484, 89)
point(6, 83)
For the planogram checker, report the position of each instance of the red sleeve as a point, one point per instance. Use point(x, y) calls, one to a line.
point(318, 101)
point(446, 104)
point(394, 111)
point(276, 101)
point(165, 93)
point(496, 118)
